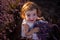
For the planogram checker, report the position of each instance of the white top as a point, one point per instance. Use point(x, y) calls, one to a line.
point(34, 35)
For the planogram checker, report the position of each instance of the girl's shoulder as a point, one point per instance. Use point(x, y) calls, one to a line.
point(24, 21)
point(24, 24)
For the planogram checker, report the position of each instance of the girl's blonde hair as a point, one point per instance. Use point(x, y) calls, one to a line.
point(29, 6)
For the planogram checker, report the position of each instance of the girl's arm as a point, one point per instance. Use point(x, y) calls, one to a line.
point(26, 28)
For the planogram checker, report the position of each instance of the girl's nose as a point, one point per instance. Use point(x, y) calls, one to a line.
point(31, 18)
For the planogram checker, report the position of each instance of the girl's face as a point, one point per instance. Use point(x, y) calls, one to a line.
point(31, 15)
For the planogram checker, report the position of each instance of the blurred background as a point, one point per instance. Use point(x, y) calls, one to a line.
point(10, 19)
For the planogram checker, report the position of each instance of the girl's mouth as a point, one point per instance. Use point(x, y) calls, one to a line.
point(32, 20)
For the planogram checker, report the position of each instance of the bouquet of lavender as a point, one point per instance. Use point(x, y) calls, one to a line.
point(43, 29)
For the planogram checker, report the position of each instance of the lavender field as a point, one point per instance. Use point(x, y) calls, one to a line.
point(10, 20)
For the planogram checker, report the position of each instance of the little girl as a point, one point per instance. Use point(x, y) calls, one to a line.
point(30, 12)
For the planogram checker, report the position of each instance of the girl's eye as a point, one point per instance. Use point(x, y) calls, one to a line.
point(28, 15)
point(34, 14)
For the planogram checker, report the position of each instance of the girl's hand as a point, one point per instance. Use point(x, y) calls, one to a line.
point(26, 28)
point(36, 29)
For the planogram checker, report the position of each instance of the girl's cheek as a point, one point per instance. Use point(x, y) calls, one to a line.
point(36, 17)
